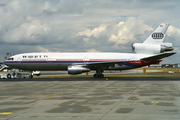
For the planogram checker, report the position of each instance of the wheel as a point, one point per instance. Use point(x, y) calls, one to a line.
point(9, 76)
point(95, 75)
point(98, 76)
point(101, 75)
point(30, 76)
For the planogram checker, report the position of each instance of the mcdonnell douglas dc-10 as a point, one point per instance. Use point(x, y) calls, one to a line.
point(151, 51)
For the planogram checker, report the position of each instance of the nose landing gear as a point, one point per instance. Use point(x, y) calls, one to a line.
point(31, 75)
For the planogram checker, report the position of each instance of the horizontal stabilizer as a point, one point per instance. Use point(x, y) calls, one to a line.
point(159, 56)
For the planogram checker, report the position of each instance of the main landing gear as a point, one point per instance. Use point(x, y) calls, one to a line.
point(98, 76)
point(98, 73)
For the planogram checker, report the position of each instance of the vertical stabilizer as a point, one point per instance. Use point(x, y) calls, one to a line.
point(154, 43)
point(158, 35)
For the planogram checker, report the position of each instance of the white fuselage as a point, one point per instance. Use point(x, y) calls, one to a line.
point(60, 61)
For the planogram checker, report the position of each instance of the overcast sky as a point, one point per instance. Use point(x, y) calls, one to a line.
point(85, 25)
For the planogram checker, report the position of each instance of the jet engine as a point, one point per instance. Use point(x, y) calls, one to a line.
point(77, 69)
point(151, 48)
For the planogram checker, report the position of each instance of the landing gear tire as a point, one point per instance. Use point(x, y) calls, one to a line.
point(101, 75)
point(30, 76)
point(95, 75)
point(9, 76)
point(98, 76)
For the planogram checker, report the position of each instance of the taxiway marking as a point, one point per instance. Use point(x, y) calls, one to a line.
point(134, 95)
point(154, 102)
point(78, 88)
point(50, 96)
point(5, 113)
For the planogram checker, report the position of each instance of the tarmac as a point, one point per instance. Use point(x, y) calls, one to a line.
point(82, 98)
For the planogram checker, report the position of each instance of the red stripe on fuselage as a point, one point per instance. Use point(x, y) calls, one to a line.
point(144, 63)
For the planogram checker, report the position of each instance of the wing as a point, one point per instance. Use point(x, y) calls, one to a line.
point(102, 64)
point(159, 56)
point(105, 65)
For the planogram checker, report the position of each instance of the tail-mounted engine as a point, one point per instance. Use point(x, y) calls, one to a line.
point(151, 48)
point(77, 69)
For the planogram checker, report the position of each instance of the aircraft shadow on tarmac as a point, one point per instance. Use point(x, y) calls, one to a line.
point(98, 79)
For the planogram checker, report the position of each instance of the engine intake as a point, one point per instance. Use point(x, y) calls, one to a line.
point(77, 69)
point(151, 48)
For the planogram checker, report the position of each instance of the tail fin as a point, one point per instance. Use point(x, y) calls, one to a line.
point(158, 35)
point(154, 43)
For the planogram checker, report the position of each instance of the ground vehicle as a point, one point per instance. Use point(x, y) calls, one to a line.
point(171, 72)
point(10, 75)
point(3, 76)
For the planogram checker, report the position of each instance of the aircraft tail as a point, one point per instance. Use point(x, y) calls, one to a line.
point(158, 35)
point(154, 43)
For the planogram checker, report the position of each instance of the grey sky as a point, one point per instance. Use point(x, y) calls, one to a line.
point(84, 25)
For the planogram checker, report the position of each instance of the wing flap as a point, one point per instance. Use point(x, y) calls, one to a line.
point(159, 56)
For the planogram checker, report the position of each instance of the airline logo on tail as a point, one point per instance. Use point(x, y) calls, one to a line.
point(157, 35)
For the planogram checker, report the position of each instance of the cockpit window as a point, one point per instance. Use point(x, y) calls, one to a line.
point(10, 59)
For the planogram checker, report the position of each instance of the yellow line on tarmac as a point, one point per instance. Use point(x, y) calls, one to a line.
point(5, 113)
point(154, 102)
point(78, 88)
point(50, 96)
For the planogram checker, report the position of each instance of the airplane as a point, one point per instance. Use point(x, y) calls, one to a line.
point(151, 51)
